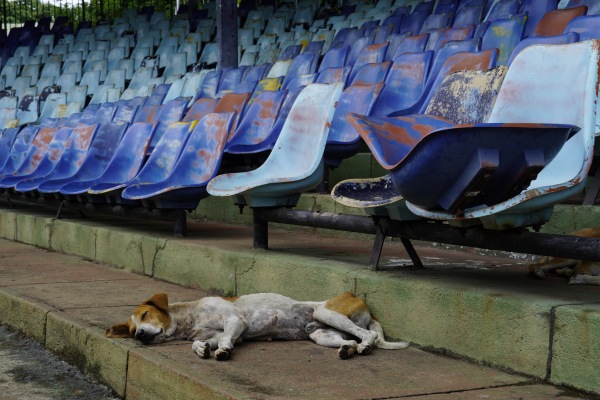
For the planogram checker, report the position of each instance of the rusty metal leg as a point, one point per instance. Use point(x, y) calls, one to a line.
point(377, 247)
point(261, 230)
point(412, 253)
point(180, 223)
point(60, 206)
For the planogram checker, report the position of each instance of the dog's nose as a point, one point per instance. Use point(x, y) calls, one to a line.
point(140, 334)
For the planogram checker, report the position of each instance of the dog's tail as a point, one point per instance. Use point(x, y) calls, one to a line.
point(380, 342)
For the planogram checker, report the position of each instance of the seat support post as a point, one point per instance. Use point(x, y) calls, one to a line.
point(227, 33)
point(261, 230)
point(377, 245)
point(180, 223)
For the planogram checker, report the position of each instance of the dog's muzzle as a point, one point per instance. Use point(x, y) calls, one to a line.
point(146, 337)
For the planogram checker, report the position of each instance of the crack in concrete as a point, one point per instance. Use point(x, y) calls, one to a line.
point(406, 396)
point(157, 248)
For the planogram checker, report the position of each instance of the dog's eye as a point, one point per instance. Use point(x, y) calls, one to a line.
point(144, 315)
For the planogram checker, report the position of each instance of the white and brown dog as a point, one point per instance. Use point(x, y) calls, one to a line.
point(579, 272)
point(216, 323)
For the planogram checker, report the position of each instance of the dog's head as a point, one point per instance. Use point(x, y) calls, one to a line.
point(149, 322)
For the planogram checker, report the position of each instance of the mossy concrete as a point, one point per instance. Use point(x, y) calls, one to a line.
point(576, 347)
point(24, 315)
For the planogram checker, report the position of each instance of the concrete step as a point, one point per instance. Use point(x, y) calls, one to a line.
point(481, 308)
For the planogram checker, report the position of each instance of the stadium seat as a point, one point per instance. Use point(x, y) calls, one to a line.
point(296, 162)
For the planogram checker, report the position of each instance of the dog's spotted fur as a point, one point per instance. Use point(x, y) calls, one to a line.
point(579, 272)
point(217, 323)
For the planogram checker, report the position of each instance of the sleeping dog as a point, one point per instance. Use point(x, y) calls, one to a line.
point(216, 323)
point(579, 272)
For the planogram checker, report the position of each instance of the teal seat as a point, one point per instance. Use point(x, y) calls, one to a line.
point(296, 163)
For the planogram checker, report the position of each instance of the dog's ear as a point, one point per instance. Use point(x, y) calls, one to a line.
point(160, 301)
point(119, 331)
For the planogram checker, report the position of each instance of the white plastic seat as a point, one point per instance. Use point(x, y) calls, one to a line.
point(50, 69)
point(138, 54)
point(77, 94)
point(49, 40)
point(92, 80)
point(127, 65)
point(177, 65)
point(101, 94)
point(296, 162)
point(23, 52)
point(116, 77)
point(32, 71)
point(190, 49)
point(210, 54)
point(73, 67)
point(534, 90)
point(42, 50)
point(115, 55)
point(165, 52)
point(67, 80)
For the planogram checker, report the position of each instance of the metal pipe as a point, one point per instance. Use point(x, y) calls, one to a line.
point(520, 241)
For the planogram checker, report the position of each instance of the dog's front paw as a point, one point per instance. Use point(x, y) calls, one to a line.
point(201, 348)
point(346, 351)
point(223, 353)
point(364, 349)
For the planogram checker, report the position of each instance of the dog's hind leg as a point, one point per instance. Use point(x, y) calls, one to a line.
point(344, 324)
point(335, 338)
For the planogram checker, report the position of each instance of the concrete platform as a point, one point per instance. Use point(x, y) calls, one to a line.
point(482, 309)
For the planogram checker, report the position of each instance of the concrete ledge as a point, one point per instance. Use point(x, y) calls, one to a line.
point(493, 315)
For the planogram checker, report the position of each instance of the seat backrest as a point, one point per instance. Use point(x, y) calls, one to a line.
point(200, 159)
point(169, 113)
point(554, 22)
point(535, 10)
point(200, 108)
point(502, 9)
point(358, 99)
point(333, 75)
point(467, 97)
point(404, 83)
point(371, 74)
point(565, 38)
point(411, 44)
point(334, 58)
point(20, 147)
point(75, 150)
point(373, 53)
point(258, 120)
point(463, 61)
point(586, 26)
point(468, 15)
point(504, 35)
point(233, 102)
point(540, 81)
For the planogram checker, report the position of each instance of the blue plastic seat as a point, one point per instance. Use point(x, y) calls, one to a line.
point(566, 174)
point(426, 7)
point(453, 34)
point(410, 44)
point(502, 9)
point(301, 65)
point(299, 80)
point(125, 164)
point(315, 47)
point(412, 24)
point(55, 166)
point(565, 38)
point(160, 162)
point(395, 21)
point(169, 113)
point(290, 52)
point(255, 127)
point(586, 26)
point(200, 108)
point(21, 146)
point(41, 157)
point(434, 21)
point(158, 94)
point(333, 75)
point(125, 113)
point(357, 48)
point(255, 73)
point(208, 87)
point(334, 58)
point(343, 140)
point(296, 162)
point(104, 113)
point(7, 139)
point(101, 151)
point(197, 164)
point(535, 10)
point(353, 35)
point(504, 35)
point(404, 83)
point(231, 78)
point(372, 74)
point(512, 178)
point(468, 15)
point(373, 53)
point(255, 154)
